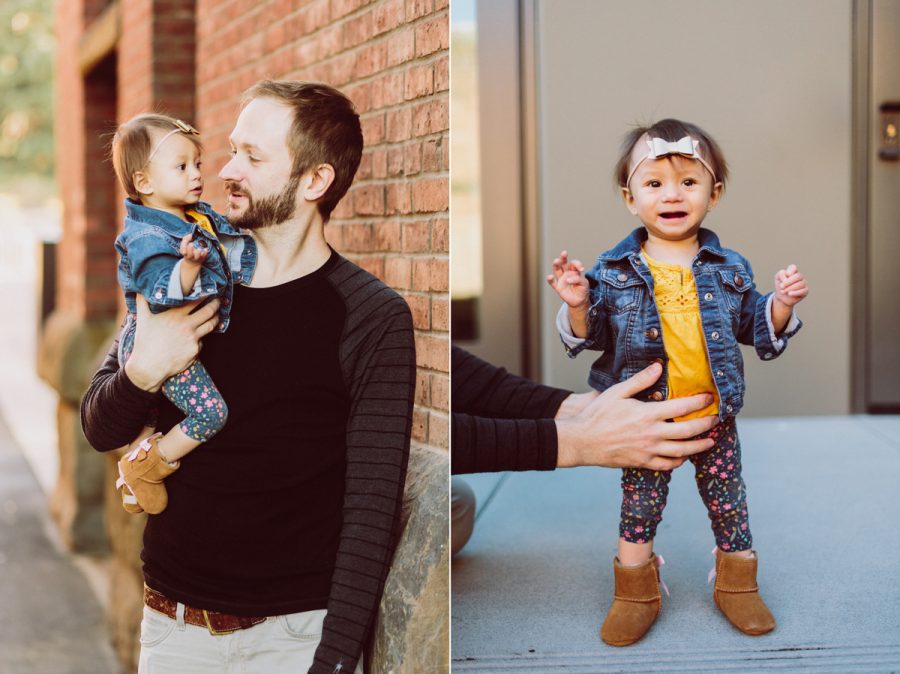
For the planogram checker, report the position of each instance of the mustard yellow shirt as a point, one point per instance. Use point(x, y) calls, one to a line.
point(206, 225)
point(679, 312)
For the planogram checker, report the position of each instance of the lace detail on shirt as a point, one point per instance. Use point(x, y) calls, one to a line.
point(674, 288)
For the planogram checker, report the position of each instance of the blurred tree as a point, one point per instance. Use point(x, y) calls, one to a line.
point(26, 89)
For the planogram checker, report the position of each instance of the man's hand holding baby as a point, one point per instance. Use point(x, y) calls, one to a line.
point(570, 284)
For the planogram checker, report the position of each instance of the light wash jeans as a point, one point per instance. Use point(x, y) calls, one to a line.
point(283, 644)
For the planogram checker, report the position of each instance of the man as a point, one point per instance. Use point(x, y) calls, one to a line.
point(293, 508)
point(505, 422)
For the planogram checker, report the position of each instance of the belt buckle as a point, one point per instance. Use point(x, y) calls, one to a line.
point(213, 630)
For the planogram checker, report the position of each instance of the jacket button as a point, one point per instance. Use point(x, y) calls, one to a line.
point(707, 297)
point(767, 355)
point(729, 408)
point(738, 281)
point(715, 336)
point(622, 277)
point(593, 312)
point(652, 333)
point(719, 373)
point(656, 395)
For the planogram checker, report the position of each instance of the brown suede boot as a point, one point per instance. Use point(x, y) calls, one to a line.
point(141, 475)
point(737, 594)
point(636, 604)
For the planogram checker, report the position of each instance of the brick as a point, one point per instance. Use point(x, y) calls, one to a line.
point(369, 200)
point(420, 425)
point(412, 159)
point(433, 352)
point(431, 155)
point(431, 116)
point(419, 82)
point(416, 9)
point(440, 314)
point(416, 237)
point(440, 392)
point(388, 15)
point(421, 273)
point(442, 74)
point(400, 46)
point(387, 236)
point(357, 30)
point(432, 36)
point(395, 161)
point(341, 8)
point(398, 200)
point(440, 236)
point(387, 90)
point(373, 129)
point(379, 164)
point(438, 430)
point(430, 195)
point(423, 388)
point(398, 125)
point(357, 238)
point(441, 4)
point(364, 172)
point(419, 306)
point(398, 272)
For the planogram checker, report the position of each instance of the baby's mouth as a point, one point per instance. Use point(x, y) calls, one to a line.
point(673, 215)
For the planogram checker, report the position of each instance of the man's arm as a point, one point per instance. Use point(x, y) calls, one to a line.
point(610, 429)
point(116, 404)
point(378, 356)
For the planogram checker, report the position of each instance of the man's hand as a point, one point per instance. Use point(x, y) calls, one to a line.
point(166, 343)
point(616, 431)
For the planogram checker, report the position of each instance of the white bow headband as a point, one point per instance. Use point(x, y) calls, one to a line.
point(658, 148)
point(180, 127)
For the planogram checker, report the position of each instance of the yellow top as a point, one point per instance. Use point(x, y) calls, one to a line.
point(679, 312)
point(204, 223)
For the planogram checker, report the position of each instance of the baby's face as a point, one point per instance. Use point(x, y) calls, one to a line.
point(174, 172)
point(671, 196)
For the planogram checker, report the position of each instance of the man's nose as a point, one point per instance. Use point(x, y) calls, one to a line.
point(229, 171)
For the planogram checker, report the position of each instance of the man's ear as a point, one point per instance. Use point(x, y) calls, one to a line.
point(142, 183)
point(628, 197)
point(319, 180)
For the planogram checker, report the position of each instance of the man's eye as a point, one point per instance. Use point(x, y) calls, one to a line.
point(232, 151)
point(181, 167)
point(253, 159)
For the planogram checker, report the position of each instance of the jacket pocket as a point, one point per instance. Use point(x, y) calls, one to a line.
point(622, 289)
point(735, 284)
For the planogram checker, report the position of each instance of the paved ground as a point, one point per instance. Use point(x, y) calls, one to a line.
point(531, 588)
point(50, 620)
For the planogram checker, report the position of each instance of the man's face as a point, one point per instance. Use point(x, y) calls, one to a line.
point(261, 190)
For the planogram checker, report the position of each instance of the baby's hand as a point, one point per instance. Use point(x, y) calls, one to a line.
point(569, 282)
point(790, 286)
point(193, 251)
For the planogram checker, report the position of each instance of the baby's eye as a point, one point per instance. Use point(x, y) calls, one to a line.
point(654, 183)
point(198, 164)
point(690, 182)
point(232, 151)
point(253, 159)
point(181, 167)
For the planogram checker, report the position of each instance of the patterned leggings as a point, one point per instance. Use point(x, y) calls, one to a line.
point(192, 391)
point(718, 475)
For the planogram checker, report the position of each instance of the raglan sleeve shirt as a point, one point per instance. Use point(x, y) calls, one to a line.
point(500, 421)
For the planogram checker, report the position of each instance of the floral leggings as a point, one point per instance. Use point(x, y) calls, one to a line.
point(718, 475)
point(192, 391)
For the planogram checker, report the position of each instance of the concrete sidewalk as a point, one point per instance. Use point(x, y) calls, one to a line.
point(50, 620)
point(532, 586)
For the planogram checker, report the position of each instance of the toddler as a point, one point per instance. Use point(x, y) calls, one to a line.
point(173, 249)
point(670, 293)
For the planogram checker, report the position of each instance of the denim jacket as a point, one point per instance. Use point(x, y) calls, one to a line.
point(624, 323)
point(150, 261)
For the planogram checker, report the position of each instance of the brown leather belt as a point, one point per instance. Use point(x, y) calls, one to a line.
point(216, 623)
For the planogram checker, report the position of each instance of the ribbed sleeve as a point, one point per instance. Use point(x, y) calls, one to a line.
point(379, 365)
point(500, 421)
point(113, 409)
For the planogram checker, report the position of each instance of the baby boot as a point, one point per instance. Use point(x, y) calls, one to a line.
point(737, 594)
point(141, 475)
point(636, 605)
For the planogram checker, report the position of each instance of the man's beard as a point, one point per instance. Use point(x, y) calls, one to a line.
point(267, 211)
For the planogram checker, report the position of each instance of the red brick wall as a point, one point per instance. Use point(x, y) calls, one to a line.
point(391, 58)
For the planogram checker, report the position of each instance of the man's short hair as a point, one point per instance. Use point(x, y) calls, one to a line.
point(325, 130)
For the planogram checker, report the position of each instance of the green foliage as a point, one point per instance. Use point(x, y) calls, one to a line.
point(27, 47)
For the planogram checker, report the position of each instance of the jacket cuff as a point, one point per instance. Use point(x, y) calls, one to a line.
point(574, 345)
point(768, 345)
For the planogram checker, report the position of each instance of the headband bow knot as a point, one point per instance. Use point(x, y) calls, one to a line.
point(659, 148)
point(180, 127)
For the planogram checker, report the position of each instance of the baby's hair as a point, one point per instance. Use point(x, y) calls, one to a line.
point(672, 130)
point(133, 142)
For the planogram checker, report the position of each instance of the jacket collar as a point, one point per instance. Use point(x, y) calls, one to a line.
point(631, 245)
